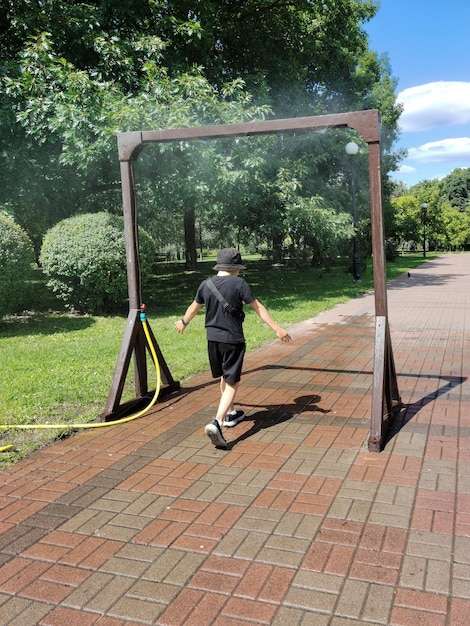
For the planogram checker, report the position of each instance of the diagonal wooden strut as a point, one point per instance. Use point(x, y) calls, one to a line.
point(134, 343)
point(386, 401)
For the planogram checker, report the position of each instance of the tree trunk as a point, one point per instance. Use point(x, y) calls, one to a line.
point(190, 239)
point(277, 247)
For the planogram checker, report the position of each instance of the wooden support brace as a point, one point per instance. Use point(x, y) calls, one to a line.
point(385, 397)
point(134, 343)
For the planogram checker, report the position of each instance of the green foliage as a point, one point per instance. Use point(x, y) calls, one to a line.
point(455, 188)
point(391, 250)
point(407, 219)
point(62, 138)
point(444, 222)
point(84, 258)
point(455, 233)
point(315, 232)
point(72, 74)
point(16, 257)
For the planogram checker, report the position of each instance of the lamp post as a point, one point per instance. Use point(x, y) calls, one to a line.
point(352, 149)
point(424, 216)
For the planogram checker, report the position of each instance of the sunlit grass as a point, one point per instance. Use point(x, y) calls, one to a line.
point(57, 367)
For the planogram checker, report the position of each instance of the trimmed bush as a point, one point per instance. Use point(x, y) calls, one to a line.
point(84, 258)
point(391, 250)
point(16, 257)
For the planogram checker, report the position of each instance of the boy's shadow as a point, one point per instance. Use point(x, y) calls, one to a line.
point(271, 415)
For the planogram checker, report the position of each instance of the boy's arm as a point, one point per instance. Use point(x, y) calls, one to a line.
point(191, 312)
point(263, 313)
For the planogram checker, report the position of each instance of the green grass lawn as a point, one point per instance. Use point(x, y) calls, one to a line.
point(57, 367)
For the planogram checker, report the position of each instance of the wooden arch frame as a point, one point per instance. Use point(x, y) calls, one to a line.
point(385, 396)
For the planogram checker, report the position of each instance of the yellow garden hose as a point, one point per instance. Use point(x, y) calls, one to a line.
point(123, 420)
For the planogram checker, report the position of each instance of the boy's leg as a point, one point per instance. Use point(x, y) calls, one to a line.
point(214, 429)
point(228, 392)
point(233, 416)
point(226, 361)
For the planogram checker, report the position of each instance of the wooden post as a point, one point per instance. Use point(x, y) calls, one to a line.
point(385, 397)
point(134, 341)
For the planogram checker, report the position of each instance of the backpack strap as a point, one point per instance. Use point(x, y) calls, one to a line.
point(225, 305)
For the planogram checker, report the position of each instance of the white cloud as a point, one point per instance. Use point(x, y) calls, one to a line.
point(435, 104)
point(443, 151)
point(405, 169)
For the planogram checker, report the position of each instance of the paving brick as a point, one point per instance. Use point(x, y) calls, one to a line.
point(149, 590)
point(16, 611)
point(430, 545)
point(207, 610)
point(296, 617)
point(66, 574)
point(139, 611)
point(438, 577)
point(180, 609)
point(160, 533)
point(195, 543)
point(310, 600)
point(71, 617)
point(297, 524)
point(17, 539)
point(352, 599)
point(19, 573)
point(45, 552)
point(109, 594)
point(15, 511)
point(232, 541)
point(46, 591)
point(461, 580)
point(249, 547)
point(214, 581)
point(404, 617)
point(174, 566)
point(240, 608)
point(378, 604)
point(459, 611)
point(339, 560)
point(462, 550)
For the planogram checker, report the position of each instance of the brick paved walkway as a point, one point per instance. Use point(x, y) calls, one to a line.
point(297, 524)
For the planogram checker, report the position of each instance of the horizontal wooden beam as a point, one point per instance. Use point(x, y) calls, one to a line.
point(366, 123)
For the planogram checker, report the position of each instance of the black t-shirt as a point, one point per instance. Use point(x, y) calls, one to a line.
point(220, 324)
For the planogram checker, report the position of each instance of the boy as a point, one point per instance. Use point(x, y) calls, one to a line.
point(225, 338)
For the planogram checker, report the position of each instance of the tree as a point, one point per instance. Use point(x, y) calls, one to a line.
point(456, 228)
point(86, 120)
point(455, 188)
point(74, 73)
point(407, 230)
point(16, 257)
point(423, 212)
point(427, 193)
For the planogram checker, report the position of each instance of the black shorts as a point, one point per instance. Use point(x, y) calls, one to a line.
point(226, 359)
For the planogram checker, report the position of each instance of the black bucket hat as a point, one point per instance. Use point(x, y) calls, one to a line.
point(228, 260)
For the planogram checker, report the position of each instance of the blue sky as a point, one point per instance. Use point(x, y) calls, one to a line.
point(428, 44)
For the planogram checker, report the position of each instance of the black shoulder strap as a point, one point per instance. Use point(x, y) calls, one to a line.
point(227, 307)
